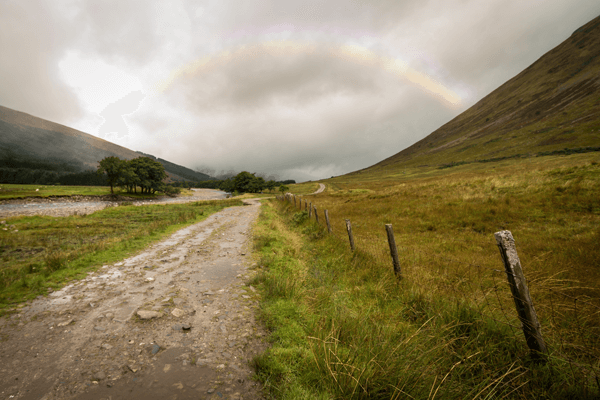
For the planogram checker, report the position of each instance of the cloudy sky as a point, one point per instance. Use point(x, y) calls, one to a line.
point(298, 89)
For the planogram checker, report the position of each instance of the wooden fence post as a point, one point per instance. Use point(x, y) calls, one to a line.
point(350, 236)
point(294, 201)
point(393, 250)
point(520, 292)
point(327, 221)
point(316, 215)
point(309, 210)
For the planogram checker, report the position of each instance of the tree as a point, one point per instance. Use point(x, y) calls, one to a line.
point(243, 181)
point(112, 167)
point(129, 178)
point(270, 185)
point(150, 174)
point(283, 189)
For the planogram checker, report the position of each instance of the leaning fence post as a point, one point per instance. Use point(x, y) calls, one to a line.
point(393, 250)
point(316, 215)
point(520, 292)
point(327, 220)
point(309, 210)
point(350, 236)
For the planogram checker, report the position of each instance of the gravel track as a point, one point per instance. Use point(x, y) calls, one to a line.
point(176, 321)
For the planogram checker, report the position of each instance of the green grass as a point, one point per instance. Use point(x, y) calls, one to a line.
point(13, 191)
point(39, 252)
point(344, 327)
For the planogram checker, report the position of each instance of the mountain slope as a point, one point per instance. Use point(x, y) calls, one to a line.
point(552, 105)
point(34, 143)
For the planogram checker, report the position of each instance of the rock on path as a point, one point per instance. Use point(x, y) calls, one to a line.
point(177, 321)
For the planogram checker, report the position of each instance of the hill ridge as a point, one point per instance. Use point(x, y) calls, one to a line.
point(26, 139)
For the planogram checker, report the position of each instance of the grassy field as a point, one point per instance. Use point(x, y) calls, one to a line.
point(344, 327)
point(41, 252)
point(11, 191)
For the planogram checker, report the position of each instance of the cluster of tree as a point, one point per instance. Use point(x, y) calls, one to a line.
point(144, 172)
point(244, 182)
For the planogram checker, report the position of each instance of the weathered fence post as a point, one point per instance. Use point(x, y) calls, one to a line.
point(520, 292)
point(350, 236)
point(327, 221)
point(294, 201)
point(309, 210)
point(393, 250)
point(316, 215)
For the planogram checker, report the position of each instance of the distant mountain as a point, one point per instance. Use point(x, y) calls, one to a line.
point(551, 107)
point(28, 142)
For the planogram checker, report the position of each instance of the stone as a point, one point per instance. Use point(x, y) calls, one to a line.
point(106, 346)
point(145, 314)
point(98, 376)
point(177, 312)
point(67, 322)
point(99, 328)
point(155, 349)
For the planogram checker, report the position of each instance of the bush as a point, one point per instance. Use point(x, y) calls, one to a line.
point(171, 191)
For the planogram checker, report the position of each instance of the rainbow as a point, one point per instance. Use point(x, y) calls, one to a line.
point(349, 53)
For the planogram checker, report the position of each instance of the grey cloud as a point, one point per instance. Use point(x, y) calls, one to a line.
point(119, 31)
point(349, 17)
point(334, 137)
point(261, 79)
point(33, 37)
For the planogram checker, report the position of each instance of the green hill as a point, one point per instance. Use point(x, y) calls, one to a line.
point(34, 148)
point(552, 105)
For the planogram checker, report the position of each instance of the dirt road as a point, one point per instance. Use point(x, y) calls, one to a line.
point(177, 321)
point(321, 189)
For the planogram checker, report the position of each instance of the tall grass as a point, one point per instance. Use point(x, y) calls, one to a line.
point(448, 329)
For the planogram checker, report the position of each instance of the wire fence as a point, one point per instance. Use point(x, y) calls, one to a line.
point(569, 320)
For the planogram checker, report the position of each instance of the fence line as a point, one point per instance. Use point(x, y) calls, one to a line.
point(557, 319)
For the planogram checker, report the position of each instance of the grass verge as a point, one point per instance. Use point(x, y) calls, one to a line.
point(41, 252)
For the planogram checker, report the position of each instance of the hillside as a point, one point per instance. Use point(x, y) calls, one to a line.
point(33, 143)
point(550, 106)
